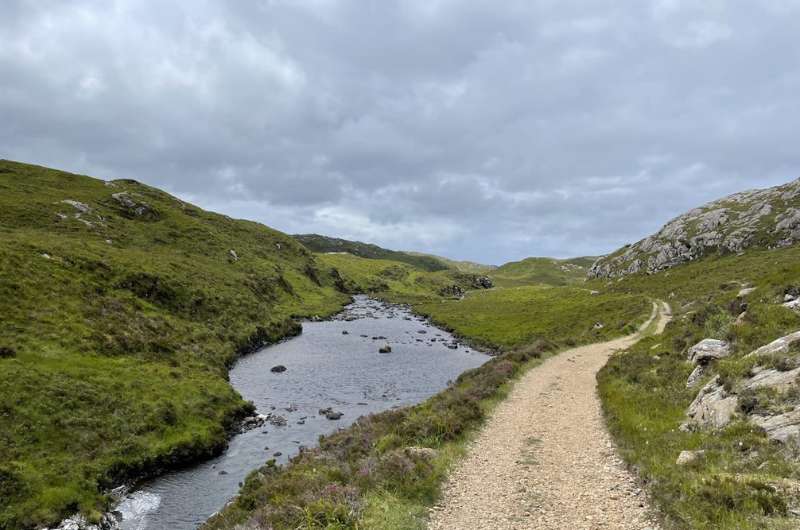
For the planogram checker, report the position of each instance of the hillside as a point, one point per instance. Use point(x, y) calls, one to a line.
point(324, 244)
point(765, 218)
point(546, 271)
point(469, 267)
point(122, 307)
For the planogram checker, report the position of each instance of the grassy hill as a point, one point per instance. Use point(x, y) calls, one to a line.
point(122, 308)
point(547, 271)
point(468, 267)
point(324, 244)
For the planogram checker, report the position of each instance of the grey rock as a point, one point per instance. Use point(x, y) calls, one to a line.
point(385, 349)
point(81, 207)
point(696, 375)
point(781, 427)
point(780, 345)
point(774, 379)
point(713, 407)
point(708, 350)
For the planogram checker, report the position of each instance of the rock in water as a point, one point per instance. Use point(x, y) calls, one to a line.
point(385, 349)
point(279, 369)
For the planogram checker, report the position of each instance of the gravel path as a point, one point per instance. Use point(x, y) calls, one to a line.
point(544, 460)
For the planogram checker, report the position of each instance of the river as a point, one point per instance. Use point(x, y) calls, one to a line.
point(333, 363)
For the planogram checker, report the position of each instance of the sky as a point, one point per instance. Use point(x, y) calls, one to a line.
point(474, 129)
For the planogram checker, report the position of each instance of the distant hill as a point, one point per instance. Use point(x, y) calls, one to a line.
point(469, 267)
point(325, 244)
point(765, 218)
point(546, 271)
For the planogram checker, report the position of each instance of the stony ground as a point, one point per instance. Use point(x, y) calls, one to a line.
point(544, 460)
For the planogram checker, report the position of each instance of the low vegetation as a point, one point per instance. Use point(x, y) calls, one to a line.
point(743, 480)
point(385, 470)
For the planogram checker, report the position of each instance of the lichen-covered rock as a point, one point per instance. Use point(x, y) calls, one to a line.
point(764, 218)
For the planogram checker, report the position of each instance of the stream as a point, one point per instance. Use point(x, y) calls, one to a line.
point(332, 364)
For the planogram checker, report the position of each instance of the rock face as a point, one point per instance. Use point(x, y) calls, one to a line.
point(758, 218)
point(712, 408)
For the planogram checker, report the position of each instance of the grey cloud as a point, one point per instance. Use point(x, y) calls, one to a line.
point(476, 129)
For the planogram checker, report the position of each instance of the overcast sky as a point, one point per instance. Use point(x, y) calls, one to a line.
point(484, 130)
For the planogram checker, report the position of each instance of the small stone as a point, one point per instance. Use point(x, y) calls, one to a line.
point(279, 369)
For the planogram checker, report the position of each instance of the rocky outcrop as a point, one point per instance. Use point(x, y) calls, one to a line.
point(133, 207)
point(766, 396)
point(759, 218)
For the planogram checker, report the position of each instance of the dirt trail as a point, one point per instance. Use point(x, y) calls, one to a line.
point(544, 459)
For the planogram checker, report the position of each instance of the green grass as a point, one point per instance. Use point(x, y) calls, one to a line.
point(117, 334)
point(365, 477)
point(509, 318)
point(739, 483)
point(542, 271)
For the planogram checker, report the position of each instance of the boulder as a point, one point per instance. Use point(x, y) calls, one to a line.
point(421, 453)
point(279, 369)
point(689, 457)
point(385, 349)
point(233, 256)
point(713, 407)
point(708, 350)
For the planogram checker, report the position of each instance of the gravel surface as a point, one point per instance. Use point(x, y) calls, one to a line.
point(544, 459)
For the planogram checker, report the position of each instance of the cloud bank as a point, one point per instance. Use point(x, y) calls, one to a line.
point(475, 129)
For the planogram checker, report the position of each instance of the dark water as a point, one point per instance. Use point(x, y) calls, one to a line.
point(325, 368)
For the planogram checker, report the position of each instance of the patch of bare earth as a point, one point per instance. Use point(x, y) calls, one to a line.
point(544, 459)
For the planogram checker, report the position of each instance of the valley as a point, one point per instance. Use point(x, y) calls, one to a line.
point(125, 311)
